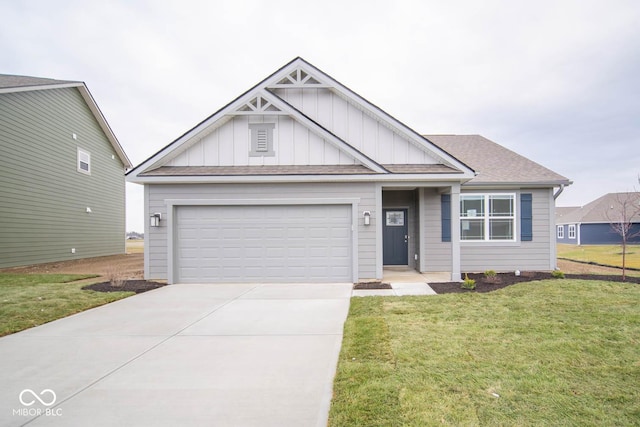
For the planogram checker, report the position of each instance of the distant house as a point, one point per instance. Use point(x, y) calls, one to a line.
point(591, 223)
point(302, 180)
point(62, 188)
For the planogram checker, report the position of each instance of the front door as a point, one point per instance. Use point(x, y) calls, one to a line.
point(395, 237)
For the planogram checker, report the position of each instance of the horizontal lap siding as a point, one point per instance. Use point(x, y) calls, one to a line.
point(533, 255)
point(437, 256)
point(43, 198)
point(158, 194)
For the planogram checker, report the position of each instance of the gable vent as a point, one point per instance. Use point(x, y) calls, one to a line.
point(262, 143)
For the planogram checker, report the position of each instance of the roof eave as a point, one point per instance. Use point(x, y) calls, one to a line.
point(104, 125)
point(527, 184)
point(45, 86)
point(373, 177)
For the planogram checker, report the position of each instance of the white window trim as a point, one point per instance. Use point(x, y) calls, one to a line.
point(572, 231)
point(487, 217)
point(560, 231)
point(82, 152)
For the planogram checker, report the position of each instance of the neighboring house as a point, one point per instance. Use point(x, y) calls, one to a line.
point(591, 223)
point(62, 188)
point(302, 180)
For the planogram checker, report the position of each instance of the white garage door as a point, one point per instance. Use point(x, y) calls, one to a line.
point(263, 244)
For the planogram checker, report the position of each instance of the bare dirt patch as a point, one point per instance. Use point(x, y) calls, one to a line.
point(130, 266)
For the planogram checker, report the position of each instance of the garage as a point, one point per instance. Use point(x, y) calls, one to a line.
point(263, 244)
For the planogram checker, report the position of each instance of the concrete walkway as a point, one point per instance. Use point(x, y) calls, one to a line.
point(224, 355)
point(404, 281)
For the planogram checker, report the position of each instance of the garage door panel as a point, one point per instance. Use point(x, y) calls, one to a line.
point(263, 243)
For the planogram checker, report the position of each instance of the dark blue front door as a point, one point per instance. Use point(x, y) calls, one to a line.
point(395, 234)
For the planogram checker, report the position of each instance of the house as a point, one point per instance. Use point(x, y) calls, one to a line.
point(300, 179)
point(591, 223)
point(62, 187)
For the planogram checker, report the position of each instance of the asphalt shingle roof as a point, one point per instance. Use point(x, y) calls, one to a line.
point(493, 163)
point(602, 209)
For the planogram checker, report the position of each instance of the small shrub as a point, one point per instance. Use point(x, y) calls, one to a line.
point(469, 284)
point(115, 277)
point(557, 274)
point(490, 276)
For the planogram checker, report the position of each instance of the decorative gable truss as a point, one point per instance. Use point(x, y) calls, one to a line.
point(258, 105)
point(300, 116)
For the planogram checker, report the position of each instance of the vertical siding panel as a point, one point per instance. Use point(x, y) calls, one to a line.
point(241, 141)
point(211, 155)
point(301, 143)
point(385, 142)
point(339, 126)
point(225, 142)
point(354, 116)
point(285, 145)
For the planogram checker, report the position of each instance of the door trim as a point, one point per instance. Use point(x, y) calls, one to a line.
point(406, 226)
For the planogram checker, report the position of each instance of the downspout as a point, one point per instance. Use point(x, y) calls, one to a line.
point(559, 192)
point(579, 225)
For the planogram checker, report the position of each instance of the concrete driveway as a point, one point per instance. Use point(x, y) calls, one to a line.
point(223, 355)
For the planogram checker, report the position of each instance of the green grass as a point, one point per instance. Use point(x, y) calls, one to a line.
point(610, 255)
point(28, 300)
point(542, 353)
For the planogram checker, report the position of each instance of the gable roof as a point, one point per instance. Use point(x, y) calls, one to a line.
point(262, 99)
point(495, 164)
point(13, 84)
point(597, 210)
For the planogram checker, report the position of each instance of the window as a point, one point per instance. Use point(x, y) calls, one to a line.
point(261, 139)
point(487, 217)
point(572, 231)
point(561, 232)
point(84, 162)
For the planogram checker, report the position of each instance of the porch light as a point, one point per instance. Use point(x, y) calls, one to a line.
point(367, 217)
point(154, 220)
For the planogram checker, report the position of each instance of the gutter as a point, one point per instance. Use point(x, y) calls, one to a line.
point(559, 192)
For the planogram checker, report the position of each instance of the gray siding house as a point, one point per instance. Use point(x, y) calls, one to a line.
point(62, 187)
point(300, 179)
point(591, 224)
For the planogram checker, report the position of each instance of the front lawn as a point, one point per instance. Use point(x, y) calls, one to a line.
point(28, 300)
point(601, 254)
point(554, 352)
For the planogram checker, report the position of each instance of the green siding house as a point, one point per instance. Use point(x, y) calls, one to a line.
point(62, 187)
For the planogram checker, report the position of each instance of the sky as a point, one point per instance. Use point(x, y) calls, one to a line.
point(556, 81)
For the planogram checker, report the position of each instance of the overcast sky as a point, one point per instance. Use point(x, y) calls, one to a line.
point(556, 81)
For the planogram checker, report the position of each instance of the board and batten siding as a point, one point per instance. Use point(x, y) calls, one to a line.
point(537, 255)
point(367, 134)
point(293, 144)
point(156, 242)
point(43, 197)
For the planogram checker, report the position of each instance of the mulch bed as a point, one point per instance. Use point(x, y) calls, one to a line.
point(502, 280)
point(371, 285)
point(137, 286)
